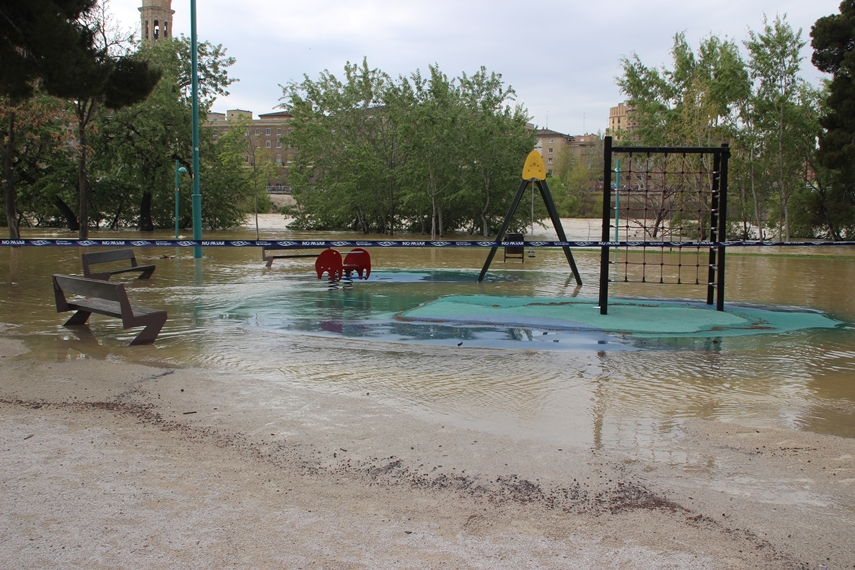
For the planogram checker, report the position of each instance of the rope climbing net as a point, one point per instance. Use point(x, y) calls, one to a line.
point(666, 209)
point(661, 197)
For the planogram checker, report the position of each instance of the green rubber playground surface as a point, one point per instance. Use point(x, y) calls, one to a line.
point(640, 318)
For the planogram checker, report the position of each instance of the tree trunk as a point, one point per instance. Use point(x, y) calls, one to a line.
point(70, 218)
point(115, 224)
point(9, 181)
point(83, 182)
point(146, 224)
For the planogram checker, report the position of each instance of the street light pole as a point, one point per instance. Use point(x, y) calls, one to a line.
point(177, 194)
point(197, 195)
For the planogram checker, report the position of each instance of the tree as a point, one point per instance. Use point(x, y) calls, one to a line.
point(348, 159)
point(138, 145)
point(34, 37)
point(833, 42)
point(38, 150)
point(781, 111)
point(496, 144)
point(101, 74)
point(377, 153)
point(694, 103)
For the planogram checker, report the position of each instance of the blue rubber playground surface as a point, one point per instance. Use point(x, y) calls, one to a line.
point(447, 308)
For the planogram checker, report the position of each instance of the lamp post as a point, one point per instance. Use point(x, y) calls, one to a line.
point(197, 195)
point(177, 194)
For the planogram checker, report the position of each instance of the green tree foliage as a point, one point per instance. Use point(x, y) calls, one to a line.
point(833, 41)
point(782, 113)
point(694, 103)
point(759, 104)
point(137, 146)
point(574, 182)
point(428, 153)
point(102, 75)
point(36, 37)
point(39, 152)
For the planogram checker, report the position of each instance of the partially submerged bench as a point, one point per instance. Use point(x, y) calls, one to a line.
point(108, 299)
point(268, 256)
point(97, 257)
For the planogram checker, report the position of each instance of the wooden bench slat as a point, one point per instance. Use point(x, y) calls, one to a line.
point(96, 257)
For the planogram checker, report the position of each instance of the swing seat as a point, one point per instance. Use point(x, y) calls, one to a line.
point(514, 251)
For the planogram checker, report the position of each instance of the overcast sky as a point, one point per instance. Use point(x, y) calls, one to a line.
point(561, 57)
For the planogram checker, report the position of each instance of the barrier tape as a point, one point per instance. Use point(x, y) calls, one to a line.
point(317, 244)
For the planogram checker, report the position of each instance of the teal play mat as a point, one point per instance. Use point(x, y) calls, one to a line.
point(641, 318)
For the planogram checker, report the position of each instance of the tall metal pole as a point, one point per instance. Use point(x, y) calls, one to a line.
point(177, 193)
point(197, 194)
point(176, 199)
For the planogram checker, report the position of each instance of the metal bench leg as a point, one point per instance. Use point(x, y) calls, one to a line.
point(149, 333)
point(78, 318)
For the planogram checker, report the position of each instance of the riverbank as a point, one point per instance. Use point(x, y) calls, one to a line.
point(109, 464)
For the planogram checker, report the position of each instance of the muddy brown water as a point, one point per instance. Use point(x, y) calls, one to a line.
point(229, 313)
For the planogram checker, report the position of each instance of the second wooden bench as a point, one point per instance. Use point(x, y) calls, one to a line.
point(96, 257)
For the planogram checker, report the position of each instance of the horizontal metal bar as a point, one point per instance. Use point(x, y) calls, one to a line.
point(670, 150)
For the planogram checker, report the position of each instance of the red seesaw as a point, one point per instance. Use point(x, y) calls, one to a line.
point(330, 261)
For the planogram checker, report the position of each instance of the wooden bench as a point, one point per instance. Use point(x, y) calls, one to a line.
point(267, 256)
point(93, 258)
point(107, 299)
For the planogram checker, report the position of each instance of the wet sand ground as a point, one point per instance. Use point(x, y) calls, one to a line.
point(112, 465)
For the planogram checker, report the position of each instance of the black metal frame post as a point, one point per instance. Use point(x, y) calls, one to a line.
point(503, 228)
point(553, 215)
point(559, 229)
point(607, 210)
point(714, 227)
point(722, 220)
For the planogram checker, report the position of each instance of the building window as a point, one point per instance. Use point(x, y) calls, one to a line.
point(266, 131)
point(550, 151)
point(258, 131)
point(278, 159)
point(278, 144)
point(267, 144)
point(278, 131)
point(551, 141)
point(550, 160)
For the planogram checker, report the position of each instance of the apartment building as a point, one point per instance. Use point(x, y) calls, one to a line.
point(621, 119)
point(551, 145)
point(263, 133)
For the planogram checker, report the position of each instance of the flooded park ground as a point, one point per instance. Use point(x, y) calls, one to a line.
point(650, 403)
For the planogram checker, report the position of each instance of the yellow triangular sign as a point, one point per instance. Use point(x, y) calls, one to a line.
point(534, 167)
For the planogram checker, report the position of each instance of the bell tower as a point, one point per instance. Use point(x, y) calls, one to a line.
point(156, 20)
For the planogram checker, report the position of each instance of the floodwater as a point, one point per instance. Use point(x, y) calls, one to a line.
point(229, 313)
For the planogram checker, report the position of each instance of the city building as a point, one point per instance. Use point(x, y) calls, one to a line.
point(621, 119)
point(551, 145)
point(156, 20)
point(263, 137)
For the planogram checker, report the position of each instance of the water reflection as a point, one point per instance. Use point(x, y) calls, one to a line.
point(227, 311)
